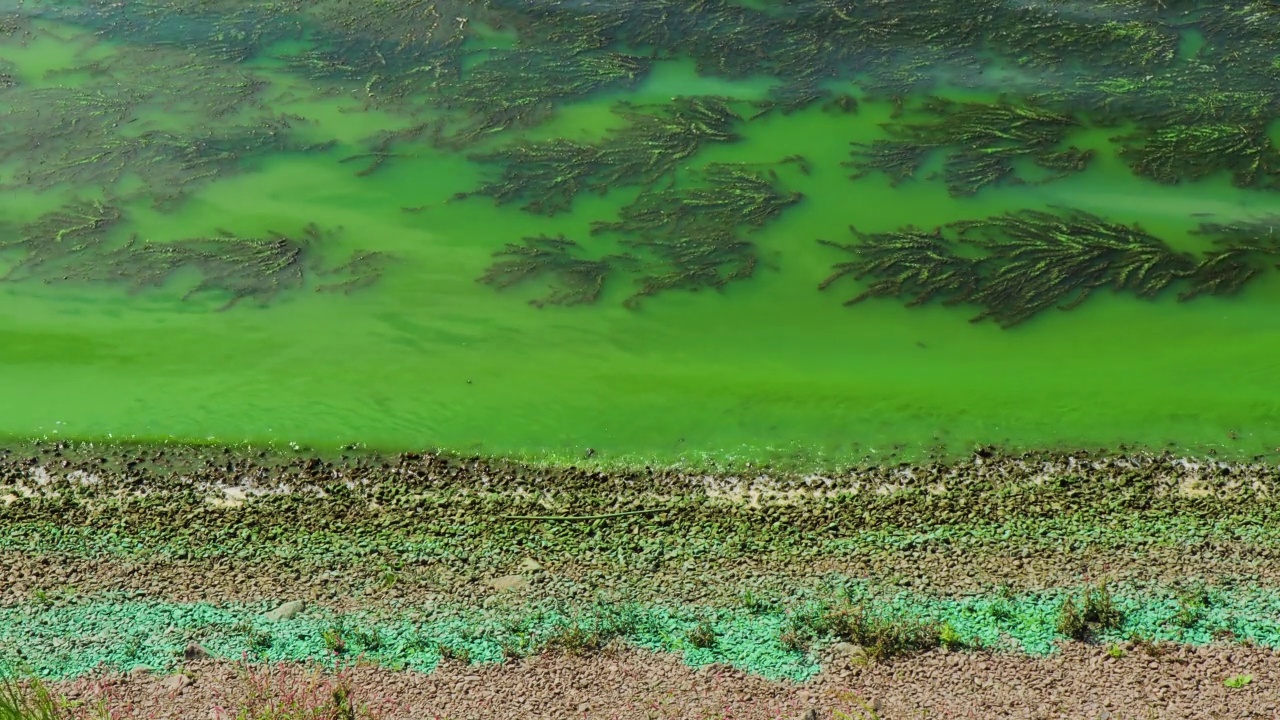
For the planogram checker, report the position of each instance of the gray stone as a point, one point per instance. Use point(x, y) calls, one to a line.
point(508, 582)
point(174, 683)
point(530, 565)
point(849, 650)
point(286, 611)
point(809, 714)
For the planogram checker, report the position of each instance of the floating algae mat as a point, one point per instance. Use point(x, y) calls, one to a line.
point(798, 232)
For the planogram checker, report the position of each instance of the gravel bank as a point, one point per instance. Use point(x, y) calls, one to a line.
point(1081, 682)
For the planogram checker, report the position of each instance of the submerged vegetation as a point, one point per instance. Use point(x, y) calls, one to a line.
point(78, 243)
point(546, 176)
point(680, 238)
point(1187, 93)
point(695, 234)
point(131, 126)
point(575, 280)
point(983, 144)
point(1016, 265)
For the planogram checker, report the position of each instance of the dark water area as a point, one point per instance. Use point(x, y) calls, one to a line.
point(802, 233)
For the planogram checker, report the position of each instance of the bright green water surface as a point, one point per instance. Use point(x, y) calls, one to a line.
point(769, 370)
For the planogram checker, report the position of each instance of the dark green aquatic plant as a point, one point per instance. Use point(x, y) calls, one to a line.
point(732, 194)
point(163, 79)
point(694, 235)
point(76, 229)
point(154, 129)
point(680, 238)
point(546, 175)
point(225, 30)
point(574, 280)
point(16, 27)
point(520, 88)
point(911, 264)
point(384, 51)
point(1179, 152)
point(693, 263)
point(382, 147)
point(982, 144)
point(1018, 265)
point(76, 244)
point(1037, 260)
point(167, 164)
point(1124, 36)
point(1245, 249)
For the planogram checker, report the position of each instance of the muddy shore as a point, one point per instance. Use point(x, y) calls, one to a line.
point(173, 527)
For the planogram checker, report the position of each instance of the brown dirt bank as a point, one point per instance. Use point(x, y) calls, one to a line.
point(206, 523)
point(1080, 682)
point(230, 475)
point(347, 588)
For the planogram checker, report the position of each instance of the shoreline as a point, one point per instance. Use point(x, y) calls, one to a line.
point(622, 684)
point(440, 557)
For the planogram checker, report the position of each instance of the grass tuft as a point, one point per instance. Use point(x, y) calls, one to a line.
point(703, 635)
point(1095, 612)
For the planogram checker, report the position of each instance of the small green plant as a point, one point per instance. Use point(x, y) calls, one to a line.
point(47, 598)
point(447, 652)
point(1191, 608)
point(859, 709)
point(949, 638)
point(576, 640)
point(1071, 621)
point(1000, 610)
point(256, 639)
point(388, 579)
point(793, 640)
point(1100, 609)
point(1235, 682)
point(334, 641)
point(1148, 646)
point(881, 637)
point(292, 693)
point(32, 700)
point(367, 639)
point(756, 604)
point(1096, 611)
point(1115, 651)
point(702, 635)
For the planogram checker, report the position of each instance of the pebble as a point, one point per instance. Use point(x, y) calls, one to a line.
point(173, 683)
point(286, 611)
point(508, 582)
point(849, 650)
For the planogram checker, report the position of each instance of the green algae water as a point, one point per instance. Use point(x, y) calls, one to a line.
point(572, 230)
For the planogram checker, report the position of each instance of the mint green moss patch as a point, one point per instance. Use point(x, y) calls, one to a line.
point(68, 639)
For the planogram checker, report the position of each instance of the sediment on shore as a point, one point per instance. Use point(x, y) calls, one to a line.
point(204, 541)
point(624, 684)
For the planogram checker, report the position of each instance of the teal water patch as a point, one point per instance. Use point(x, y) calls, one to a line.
point(59, 640)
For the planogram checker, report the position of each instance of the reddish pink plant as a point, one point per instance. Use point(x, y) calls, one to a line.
point(300, 692)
